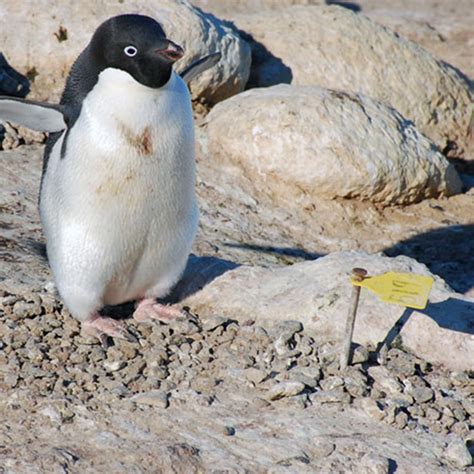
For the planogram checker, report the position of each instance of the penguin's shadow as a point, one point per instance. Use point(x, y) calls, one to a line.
point(199, 272)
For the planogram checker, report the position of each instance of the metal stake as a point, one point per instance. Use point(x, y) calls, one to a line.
point(357, 274)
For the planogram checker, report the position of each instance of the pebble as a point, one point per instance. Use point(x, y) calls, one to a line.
point(113, 366)
point(330, 396)
point(254, 375)
point(421, 394)
point(228, 431)
point(332, 382)
point(360, 355)
point(371, 408)
point(197, 362)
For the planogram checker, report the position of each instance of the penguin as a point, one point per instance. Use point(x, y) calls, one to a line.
point(117, 195)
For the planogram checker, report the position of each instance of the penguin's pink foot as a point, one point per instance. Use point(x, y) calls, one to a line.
point(103, 326)
point(148, 309)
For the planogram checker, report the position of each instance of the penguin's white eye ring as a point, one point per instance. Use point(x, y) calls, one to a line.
point(130, 51)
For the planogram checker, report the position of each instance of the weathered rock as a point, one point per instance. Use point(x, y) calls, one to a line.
point(457, 453)
point(336, 48)
point(226, 7)
point(317, 294)
point(43, 40)
point(295, 145)
point(375, 464)
point(443, 35)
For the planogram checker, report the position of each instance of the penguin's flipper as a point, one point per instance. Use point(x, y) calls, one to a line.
point(35, 115)
point(200, 66)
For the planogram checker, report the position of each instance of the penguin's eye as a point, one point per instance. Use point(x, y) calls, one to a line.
point(130, 51)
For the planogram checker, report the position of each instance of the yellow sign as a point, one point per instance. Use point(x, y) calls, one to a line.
point(405, 289)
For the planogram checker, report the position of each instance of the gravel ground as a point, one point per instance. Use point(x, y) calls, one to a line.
point(197, 362)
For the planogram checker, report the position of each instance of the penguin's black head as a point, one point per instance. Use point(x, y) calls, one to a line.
point(138, 45)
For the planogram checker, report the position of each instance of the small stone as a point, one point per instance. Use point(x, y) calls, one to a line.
point(184, 327)
point(457, 453)
point(461, 428)
point(203, 384)
point(400, 363)
point(401, 420)
point(331, 382)
point(289, 327)
point(421, 394)
point(157, 398)
point(229, 431)
point(23, 309)
point(285, 389)
point(298, 375)
point(460, 378)
point(401, 400)
point(254, 375)
point(337, 395)
point(432, 414)
point(372, 463)
point(360, 355)
point(11, 380)
point(371, 408)
point(114, 366)
point(385, 380)
point(416, 411)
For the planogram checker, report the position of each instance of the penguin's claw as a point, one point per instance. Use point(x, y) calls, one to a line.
point(102, 327)
point(148, 309)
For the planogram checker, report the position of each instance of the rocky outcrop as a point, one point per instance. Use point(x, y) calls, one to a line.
point(333, 47)
point(43, 39)
point(296, 145)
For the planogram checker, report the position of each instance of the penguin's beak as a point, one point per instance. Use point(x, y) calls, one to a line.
point(172, 52)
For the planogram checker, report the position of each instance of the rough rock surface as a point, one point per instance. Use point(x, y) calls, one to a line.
point(441, 28)
point(333, 47)
point(42, 41)
point(224, 7)
point(297, 144)
point(317, 294)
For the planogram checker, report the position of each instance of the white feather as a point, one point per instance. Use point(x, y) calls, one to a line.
point(119, 210)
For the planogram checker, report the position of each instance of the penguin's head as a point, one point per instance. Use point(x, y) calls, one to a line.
point(137, 45)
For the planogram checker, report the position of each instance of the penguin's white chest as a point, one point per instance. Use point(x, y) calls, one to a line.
point(119, 209)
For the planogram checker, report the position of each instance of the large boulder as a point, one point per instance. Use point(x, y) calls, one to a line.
point(317, 293)
point(227, 8)
point(296, 145)
point(333, 47)
point(42, 39)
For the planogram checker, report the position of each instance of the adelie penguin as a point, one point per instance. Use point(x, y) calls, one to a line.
point(117, 197)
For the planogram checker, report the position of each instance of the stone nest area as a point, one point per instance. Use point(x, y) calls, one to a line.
point(51, 371)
